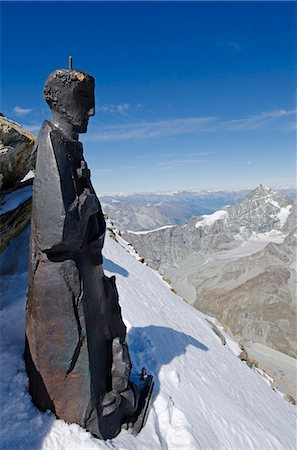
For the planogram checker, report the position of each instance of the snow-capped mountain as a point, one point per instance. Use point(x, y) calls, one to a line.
point(237, 264)
point(147, 211)
point(262, 211)
point(140, 212)
point(204, 397)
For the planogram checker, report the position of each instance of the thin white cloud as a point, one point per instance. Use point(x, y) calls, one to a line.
point(123, 107)
point(232, 45)
point(106, 171)
point(130, 167)
point(165, 168)
point(232, 41)
point(120, 108)
point(291, 126)
point(185, 161)
point(32, 128)
point(169, 155)
point(148, 130)
point(149, 155)
point(103, 171)
point(21, 111)
point(257, 121)
point(192, 125)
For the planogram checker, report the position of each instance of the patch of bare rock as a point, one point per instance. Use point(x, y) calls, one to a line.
point(17, 158)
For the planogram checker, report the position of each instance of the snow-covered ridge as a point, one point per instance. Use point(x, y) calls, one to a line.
point(255, 243)
point(151, 231)
point(227, 265)
point(283, 215)
point(209, 219)
point(204, 397)
point(142, 212)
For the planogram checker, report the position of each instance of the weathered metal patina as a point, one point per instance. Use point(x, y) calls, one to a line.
point(76, 355)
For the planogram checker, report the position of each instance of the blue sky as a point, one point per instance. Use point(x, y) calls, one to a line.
point(189, 95)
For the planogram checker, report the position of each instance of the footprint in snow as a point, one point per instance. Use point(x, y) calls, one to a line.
point(173, 426)
point(171, 375)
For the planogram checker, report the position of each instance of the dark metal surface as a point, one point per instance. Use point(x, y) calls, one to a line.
point(76, 355)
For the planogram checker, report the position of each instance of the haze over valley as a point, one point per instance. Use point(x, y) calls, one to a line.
point(237, 264)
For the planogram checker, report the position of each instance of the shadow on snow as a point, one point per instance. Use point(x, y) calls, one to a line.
point(113, 267)
point(154, 346)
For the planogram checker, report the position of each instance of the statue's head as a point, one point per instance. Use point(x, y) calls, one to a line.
point(71, 93)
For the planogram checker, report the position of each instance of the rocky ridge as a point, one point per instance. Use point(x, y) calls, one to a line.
point(141, 212)
point(17, 158)
point(237, 265)
point(262, 211)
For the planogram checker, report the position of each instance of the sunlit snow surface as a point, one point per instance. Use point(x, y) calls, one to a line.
point(204, 397)
point(151, 231)
point(283, 215)
point(210, 219)
point(255, 243)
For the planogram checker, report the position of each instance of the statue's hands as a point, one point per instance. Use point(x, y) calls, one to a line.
point(121, 365)
point(87, 204)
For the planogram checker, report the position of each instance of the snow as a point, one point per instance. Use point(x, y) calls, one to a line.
point(273, 235)
point(204, 396)
point(255, 243)
point(16, 198)
point(233, 345)
point(29, 175)
point(210, 219)
point(151, 231)
point(272, 202)
point(283, 215)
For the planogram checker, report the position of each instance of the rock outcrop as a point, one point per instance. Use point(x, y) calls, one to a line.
point(15, 212)
point(16, 153)
point(16, 160)
point(261, 309)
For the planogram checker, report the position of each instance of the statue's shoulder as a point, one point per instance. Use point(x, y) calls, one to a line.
point(49, 137)
point(46, 152)
point(45, 131)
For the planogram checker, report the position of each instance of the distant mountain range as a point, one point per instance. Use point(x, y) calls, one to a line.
point(147, 211)
point(236, 264)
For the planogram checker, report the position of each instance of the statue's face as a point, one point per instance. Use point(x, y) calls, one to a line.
point(71, 94)
point(79, 105)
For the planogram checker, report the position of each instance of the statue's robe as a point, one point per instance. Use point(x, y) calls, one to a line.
point(72, 313)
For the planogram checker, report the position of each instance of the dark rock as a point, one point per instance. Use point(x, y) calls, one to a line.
point(290, 399)
point(13, 222)
point(16, 152)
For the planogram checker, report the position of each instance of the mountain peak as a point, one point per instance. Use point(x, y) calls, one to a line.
point(265, 194)
point(261, 210)
point(262, 190)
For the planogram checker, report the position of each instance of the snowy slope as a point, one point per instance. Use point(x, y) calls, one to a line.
point(204, 398)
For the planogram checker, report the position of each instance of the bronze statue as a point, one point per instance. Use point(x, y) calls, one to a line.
point(76, 355)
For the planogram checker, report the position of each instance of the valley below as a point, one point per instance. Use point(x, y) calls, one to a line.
point(237, 265)
point(281, 367)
